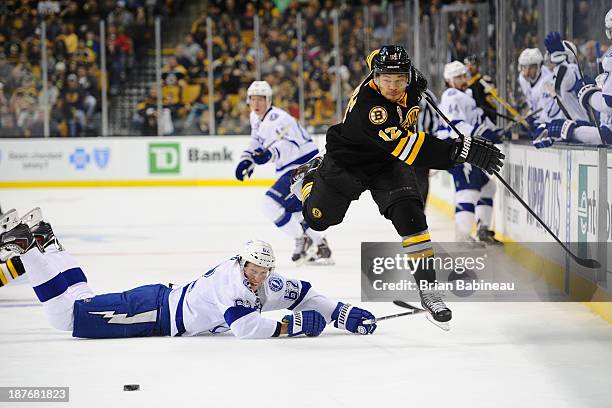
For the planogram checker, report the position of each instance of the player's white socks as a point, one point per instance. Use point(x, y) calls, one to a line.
point(483, 215)
point(292, 227)
point(316, 236)
point(57, 281)
point(463, 223)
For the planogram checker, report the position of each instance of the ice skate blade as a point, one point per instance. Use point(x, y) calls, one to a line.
point(321, 262)
point(442, 325)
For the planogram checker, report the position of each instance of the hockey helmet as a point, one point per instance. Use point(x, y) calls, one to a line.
point(391, 59)
point(258, 252)
point(260, 88)
point(454, 69)
point(530, 56)
point(471, 59)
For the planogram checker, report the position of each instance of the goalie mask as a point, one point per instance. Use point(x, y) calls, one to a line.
point(260, 88)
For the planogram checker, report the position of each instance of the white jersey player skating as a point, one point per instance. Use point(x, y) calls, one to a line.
point(474, 188)
point(277, 137)
point(229, 296)
point(536, 82)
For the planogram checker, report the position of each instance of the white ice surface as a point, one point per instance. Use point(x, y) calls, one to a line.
point(496, 355)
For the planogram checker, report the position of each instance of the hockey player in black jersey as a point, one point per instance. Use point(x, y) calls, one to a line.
point(374, 149)
point(483, 99)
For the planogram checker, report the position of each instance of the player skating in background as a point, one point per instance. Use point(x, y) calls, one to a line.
point(230, 296)
point(374, 149)
point(278, 138)
point(474, 188)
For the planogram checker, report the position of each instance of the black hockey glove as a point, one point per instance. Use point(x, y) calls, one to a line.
point(420, 83)
point(479, 152)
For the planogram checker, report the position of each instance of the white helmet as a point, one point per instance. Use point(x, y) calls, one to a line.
point(454, 69)
point(259, 253)
point(609, 24)
point(530, 56)
point(260, 88)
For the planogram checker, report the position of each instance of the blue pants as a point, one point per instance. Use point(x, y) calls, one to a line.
point(281, 193)
point(469, 179)
point(139, 312)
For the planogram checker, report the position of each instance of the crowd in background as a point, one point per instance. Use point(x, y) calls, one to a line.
point(73, 60)
point(74, 79)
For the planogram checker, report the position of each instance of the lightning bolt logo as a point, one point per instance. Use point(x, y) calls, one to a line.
point(122, 318)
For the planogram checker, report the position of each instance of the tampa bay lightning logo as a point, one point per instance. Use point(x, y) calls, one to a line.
point(102, 156)
point(273, 116)
point(79, 158)
point(276, 284)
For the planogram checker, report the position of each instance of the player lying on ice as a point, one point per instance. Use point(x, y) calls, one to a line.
point(230, 296)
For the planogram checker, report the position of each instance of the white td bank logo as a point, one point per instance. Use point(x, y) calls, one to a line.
point(164, 158)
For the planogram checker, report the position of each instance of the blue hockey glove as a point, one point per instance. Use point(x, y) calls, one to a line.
point(244, 168)
point(308, 322)
point(541, 138)
point(351, 318)
point(561, 129)
point(261, 156)
point(555, 47)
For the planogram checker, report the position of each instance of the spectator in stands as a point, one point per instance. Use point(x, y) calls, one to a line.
point(190, 48)
point(73, 101)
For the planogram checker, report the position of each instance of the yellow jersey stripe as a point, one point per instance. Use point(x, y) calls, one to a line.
point(307, 185)
point(423, 254)
point(406, 152)
point(416, 239)
point(12, 269)
point(417, 148)
point(3, 278)
point(400, 146)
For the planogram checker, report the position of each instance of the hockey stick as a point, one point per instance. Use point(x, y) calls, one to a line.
point(488, 88)
point(509, 125)
point(586, 262)
point(413, 310)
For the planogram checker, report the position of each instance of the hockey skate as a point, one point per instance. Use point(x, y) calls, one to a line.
point(323, 255)
point(298, 174)
point(304, 250)
point(439, 314)
point(42, 231)
point(8, 220)
point(468, 242)
point(487, 236)
point(16, 241)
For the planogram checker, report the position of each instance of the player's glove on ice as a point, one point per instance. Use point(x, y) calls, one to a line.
point(352, 318)
point(261, 156)
point(308, 322)
point(479, 152)
point(244, 168)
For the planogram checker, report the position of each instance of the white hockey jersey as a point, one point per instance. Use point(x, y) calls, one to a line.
point(460, 108)
point(602, 101)
point(221, 300)
point(539, 97)
point(288, 141)
point(568, 93)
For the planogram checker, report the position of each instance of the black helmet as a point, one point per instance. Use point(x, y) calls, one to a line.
point(471, 59)
point(392, 59)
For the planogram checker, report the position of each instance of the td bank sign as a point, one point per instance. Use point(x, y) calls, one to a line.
point(164, 158)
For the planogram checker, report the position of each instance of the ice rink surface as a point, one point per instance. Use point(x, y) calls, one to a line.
point(496, 355)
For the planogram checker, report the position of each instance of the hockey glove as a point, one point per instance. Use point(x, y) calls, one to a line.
point(585, 93)
point(561, 129)
point(555, 47)
point(244, 168)
point(420, 81)
point(261, 156)
point(541, 138)
point(351, 318)
point(479, 152)
point(308, 322)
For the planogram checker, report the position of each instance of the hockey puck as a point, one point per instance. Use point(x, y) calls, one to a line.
point(131, 387)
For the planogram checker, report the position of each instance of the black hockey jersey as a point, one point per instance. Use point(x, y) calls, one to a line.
point(376, 132)
point(483, 100)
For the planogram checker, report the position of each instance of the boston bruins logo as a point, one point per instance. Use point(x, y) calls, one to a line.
point(316, 213)
point(378, 115)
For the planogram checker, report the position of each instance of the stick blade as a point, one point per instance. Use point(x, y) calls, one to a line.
point(405, 305)
point(588, 263)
